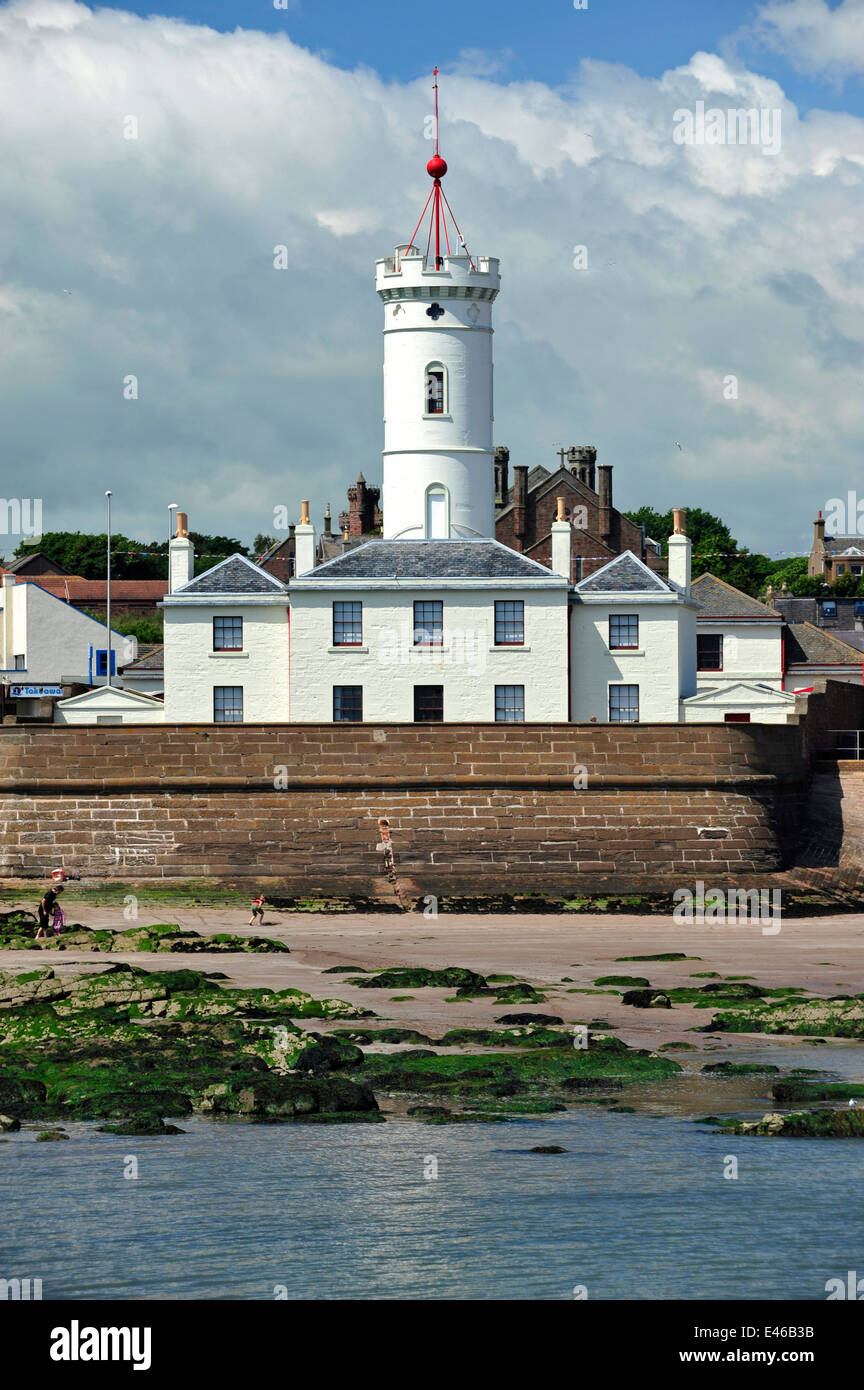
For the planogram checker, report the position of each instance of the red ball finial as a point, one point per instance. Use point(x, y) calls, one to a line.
point(437, 167)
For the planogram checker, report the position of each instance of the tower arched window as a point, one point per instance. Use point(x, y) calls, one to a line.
point(437, 512)
point(436, 389)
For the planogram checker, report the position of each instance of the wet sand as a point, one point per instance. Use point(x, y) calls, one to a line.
point(824, 955)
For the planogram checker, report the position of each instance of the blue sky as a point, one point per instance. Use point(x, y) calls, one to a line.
point(151, 254)
point(544, 40)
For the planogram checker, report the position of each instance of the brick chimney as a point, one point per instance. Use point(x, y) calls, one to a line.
point(604, 492)
point(520, 504)
point(816, 562)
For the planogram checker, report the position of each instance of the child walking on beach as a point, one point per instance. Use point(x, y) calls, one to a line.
point(257, 911)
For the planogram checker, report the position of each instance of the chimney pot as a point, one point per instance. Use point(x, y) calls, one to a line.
point(304, 513)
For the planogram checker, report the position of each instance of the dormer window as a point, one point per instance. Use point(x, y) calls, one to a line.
point(436, 389)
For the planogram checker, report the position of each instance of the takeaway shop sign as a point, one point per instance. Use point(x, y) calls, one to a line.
point(34, 691)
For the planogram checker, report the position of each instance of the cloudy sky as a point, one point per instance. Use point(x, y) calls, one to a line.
point(302, 125)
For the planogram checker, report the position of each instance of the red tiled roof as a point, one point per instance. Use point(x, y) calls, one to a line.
point(80, 590)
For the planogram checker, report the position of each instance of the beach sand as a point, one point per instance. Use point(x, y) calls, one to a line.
point(824, 955)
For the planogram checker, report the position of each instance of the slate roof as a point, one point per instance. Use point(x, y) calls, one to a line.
point(717, 599)
point(809, 645)
point(416, 559)
point(626, 575)
point(236, 575)
point(25, 564)
point(151, 657)
point(843, 545)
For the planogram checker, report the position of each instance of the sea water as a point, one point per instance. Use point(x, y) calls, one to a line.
point(637, 1208)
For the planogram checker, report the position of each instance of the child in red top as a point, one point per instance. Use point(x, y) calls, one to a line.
point(257, 910)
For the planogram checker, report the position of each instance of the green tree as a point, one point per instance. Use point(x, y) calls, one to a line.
point(84, 553)
point(714, 547)
point(145, 629)
point(262, 543)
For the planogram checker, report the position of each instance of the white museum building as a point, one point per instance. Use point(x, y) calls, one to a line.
point(436, 620)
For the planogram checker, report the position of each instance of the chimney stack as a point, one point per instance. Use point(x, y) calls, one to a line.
point(327, 530)
point(520, 504)
point(604, 492)
point(304, 542)
point(181, 555)
point(561, 562)
point(502, 472)
point(679, 551)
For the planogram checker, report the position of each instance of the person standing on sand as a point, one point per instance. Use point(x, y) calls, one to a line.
point(46, 910)
point(257, 911)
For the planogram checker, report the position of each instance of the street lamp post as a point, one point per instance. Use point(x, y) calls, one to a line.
point(172, 507)
point(108, 597)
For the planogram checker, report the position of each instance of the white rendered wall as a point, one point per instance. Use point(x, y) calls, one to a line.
point(803, 679)
point(106, 702)
point(454, 449)
point(55, 639)
point(150, 684)
point(388, 666)
point(750, 653)
point(761, 712)
point(664, 661)
point(193, 669)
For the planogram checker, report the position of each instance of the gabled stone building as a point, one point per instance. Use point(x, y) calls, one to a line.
point(526, 507)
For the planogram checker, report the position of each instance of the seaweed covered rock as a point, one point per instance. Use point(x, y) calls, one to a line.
point(796, 1089)
point(734, 989)
point(19, 1095)
point(143, 1127)
point(547, 1019)
point(520, 993)
point(276, 1098)
point(418, 977)
point(834, 1018)
point(813, 1124)
point(647, 999)
point(628, 981)
point(323, 1053)
point(364, 1037)
point(740, 1069)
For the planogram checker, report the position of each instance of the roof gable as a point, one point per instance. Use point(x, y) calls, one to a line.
point(754, 693)
point(626, 574)
point(717, 599)
point(236, 575)
point(111, 695)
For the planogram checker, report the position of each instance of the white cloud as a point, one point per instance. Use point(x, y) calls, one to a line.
point(259, 386)
point(815, 37)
